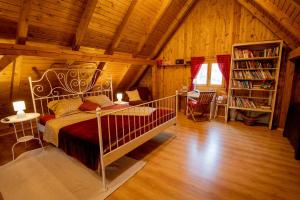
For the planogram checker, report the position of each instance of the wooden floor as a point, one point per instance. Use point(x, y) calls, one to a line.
point(212, 160)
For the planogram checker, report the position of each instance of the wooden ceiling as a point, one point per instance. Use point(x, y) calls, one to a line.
point(122, 25)
point(139, 28)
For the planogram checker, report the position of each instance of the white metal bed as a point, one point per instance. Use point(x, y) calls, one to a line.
point(58, 84)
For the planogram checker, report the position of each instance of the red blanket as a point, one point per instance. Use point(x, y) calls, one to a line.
point(80, 140)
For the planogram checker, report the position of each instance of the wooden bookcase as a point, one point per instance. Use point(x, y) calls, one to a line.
point(254, 77)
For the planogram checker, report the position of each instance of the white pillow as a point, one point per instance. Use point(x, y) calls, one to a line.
point(102, 100)
point(133, 95)
point(64, 106)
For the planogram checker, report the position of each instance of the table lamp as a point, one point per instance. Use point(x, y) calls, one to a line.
point(19, 107)
point(119, 96)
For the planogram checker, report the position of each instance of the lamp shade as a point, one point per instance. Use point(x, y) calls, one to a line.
point(19, 105)
point(119, 96)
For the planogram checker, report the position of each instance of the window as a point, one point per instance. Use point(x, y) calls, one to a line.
point(209, 75)
point(216, 75)
point(201, 78)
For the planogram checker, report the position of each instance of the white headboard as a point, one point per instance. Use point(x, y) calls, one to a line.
point(58, 83)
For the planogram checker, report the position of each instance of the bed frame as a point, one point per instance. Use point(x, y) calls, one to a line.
point(59, 83)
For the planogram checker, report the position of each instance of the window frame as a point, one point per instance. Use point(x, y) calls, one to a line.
point(208, 81)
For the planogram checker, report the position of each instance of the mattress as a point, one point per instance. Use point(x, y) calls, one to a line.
point(80, 140)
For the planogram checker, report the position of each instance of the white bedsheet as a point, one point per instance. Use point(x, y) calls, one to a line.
point(53, 126)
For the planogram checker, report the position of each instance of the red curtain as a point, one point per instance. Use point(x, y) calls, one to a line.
point(196, 63)
point(224, 66)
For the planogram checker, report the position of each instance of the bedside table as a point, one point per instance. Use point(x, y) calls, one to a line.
point(121, 102)
point(20, 134)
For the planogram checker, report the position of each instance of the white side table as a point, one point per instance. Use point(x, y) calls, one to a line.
point(121, 102)
point(22, 136)
point(225, 110)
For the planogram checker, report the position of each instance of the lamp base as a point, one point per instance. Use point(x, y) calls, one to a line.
point(21, 114)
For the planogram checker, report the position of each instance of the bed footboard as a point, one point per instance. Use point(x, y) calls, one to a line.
point(129, 128)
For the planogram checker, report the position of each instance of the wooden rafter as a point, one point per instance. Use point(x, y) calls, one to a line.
point(26, 50)
point(280, 17)
point(6, 60)
point(22, 30)
point(164, 7)
point(84, 23)
point(121, 28)
point(295, 54)
point(277, 30)
point(173, 27)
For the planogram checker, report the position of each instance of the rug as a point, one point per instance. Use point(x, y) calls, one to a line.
point(51, 174)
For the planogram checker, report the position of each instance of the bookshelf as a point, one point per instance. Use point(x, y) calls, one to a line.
point(254, 77)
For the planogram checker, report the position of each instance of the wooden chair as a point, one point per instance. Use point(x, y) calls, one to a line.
point(199, 106)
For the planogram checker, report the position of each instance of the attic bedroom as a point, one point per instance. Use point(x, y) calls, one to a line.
point(149, 99)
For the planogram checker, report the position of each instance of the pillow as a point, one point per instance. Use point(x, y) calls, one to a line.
point(65, 106)
point(101, 100)
point(88, 106)
point(133, 95)
point(53, 104)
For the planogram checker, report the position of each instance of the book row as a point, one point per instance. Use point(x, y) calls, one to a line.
point(247, 53)
point(259, 74)
point(252, 65)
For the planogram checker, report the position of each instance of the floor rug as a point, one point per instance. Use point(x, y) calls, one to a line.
point(51, 174)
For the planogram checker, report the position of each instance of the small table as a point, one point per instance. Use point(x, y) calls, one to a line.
point(121, 102)
point(225, 110)
point(23, 138)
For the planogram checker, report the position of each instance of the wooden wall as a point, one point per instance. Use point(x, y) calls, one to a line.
point(210, 29)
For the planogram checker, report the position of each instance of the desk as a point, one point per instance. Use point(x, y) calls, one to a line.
point(182, 102)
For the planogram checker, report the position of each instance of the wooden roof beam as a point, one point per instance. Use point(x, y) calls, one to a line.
point(22, 30)
point(164, 7)
point(173, 27)
point(268, 22)
point(295, 54)
point(84, 23)
point(120, 30)
point(26, 50)
point(279, 16)
point(6, 60)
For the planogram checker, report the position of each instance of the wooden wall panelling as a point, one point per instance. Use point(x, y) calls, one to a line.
point(15, 78)
point(154, 82)
point(208, 31)
point(263, 17)
point(289, 74)
point(84, 23)
point(288, 83)
point(280, 17)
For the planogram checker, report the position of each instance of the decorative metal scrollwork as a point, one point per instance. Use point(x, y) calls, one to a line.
point(58, 81)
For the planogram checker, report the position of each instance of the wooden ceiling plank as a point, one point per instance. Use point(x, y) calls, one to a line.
point(22, 30)
point(164, 7)
point(84, 23)
point(173, 27)
point(121, 28)
point(279, 16)
point(27, 50)
point(268, 23)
